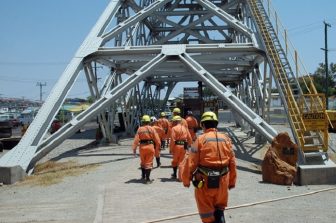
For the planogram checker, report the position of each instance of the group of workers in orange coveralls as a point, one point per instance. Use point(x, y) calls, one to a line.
point(208, 161)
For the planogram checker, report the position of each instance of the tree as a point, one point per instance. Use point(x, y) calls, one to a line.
point(319, 79)
point(207, 93)
point(90, 99)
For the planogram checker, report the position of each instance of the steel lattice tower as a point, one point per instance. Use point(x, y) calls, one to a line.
point(147, 47)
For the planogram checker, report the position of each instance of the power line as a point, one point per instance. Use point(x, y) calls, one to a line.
point(21, 80)
point(306, 30)
point(17, 81)
point(32, 63)
point(305, 26)
point(309, 26)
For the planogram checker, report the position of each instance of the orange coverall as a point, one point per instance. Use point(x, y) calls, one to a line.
point(192, 125)
point(206, 152)
point(183, 122)
point(146, 150)
point(178, 133)
point(160, 132)
point(165, 125)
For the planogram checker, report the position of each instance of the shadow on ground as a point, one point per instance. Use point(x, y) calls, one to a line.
point(242, 152)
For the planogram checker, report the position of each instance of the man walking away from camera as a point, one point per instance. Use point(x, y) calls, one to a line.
point(148, 141)
point(211, 166)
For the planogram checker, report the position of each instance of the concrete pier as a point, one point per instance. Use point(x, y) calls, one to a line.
point(10, 175)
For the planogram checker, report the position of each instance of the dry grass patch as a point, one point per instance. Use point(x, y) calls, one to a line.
point(52, 172)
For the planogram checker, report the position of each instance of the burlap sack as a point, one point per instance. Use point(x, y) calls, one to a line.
point(279, 164)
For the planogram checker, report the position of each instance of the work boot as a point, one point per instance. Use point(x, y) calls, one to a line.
point(174, 175)
point(158, 163)
point(148, 180)
point(143, 173)
point(163, 144)
point(219, 216)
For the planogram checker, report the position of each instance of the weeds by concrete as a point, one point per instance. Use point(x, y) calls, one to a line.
point(52, 172)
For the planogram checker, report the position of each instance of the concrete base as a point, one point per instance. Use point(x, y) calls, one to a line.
point(317, 174)
point(115, 139)
point(10, 175)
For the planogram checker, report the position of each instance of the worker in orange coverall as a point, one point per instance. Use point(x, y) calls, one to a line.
point(177, 112)
point(149, 142)
point(192, 124)
point(180, 140)
point(211, 166)
point(165, 125)
point(160, 132)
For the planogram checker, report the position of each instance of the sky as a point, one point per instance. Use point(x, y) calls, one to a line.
point(38, 39)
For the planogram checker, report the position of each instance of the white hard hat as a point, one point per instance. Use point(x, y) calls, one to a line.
point(153, 119)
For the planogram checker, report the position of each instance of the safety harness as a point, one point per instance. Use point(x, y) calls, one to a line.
point(213, 174)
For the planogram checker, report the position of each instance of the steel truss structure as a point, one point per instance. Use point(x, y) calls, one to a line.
point(148, 46)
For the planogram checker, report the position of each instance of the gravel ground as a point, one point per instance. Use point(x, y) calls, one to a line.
point(112, 192)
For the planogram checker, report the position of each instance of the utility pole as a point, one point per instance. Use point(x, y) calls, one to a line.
point(325, 49)
point(41, 86)
point(95, 71)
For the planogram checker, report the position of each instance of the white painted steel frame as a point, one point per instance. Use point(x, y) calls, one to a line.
point(230, 60)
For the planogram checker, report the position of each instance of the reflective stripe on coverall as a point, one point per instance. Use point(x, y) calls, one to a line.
point(192, 125)
point(146, 151)
point(204, 152)
point(179, 133)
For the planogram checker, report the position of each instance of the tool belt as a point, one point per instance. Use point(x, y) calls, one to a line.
point(180, 142)
point(146, 142)
point(213, 175)
point(212, 171)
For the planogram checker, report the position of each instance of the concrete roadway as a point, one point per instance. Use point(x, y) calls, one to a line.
point(113, 192)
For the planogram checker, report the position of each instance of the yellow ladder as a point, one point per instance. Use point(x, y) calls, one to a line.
point(309, 139)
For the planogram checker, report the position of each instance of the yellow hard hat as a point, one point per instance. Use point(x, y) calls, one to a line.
point(176, 118)
point(209, 116)
point(162, 114)
point(177, 110)
point(145, 118)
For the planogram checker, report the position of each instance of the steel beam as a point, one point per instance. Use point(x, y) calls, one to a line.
point(230, 99)
point(95, 109)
